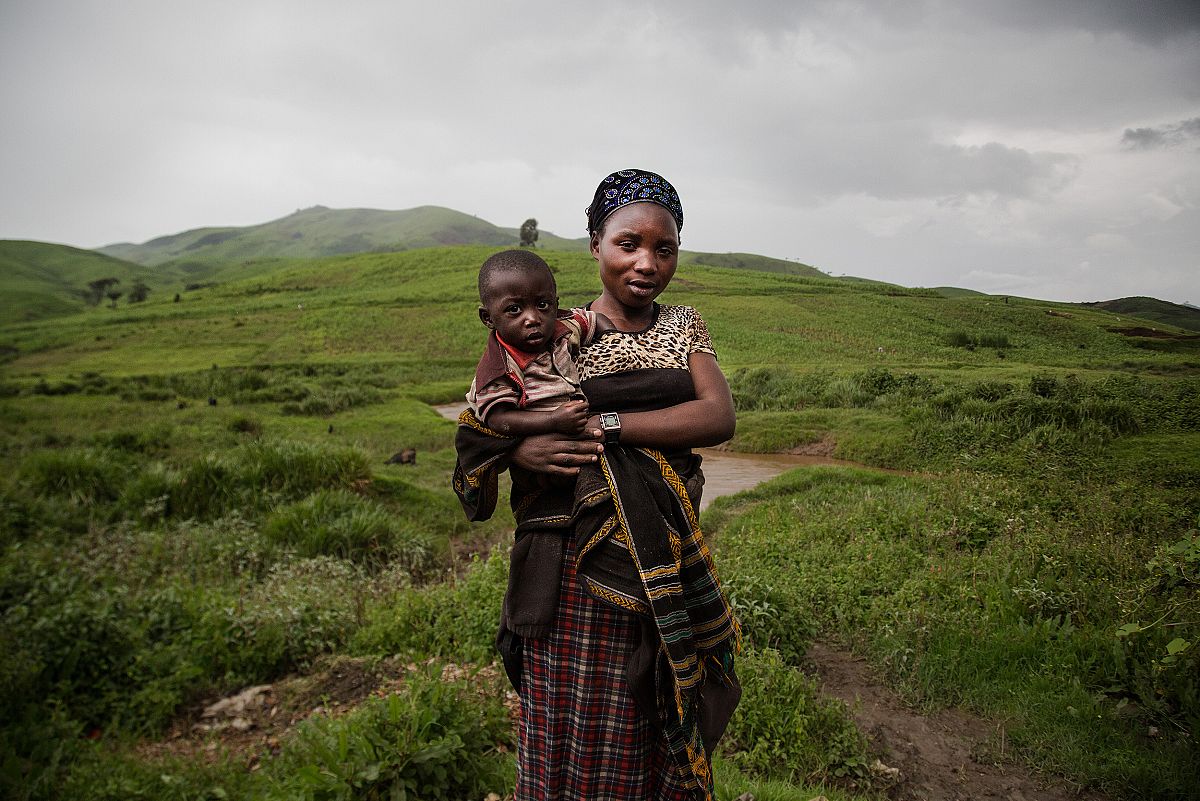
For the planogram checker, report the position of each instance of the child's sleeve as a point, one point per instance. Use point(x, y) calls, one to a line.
point(497, 393)
point(587, 325)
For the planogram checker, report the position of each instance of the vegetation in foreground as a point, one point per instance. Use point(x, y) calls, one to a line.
point(196, 500)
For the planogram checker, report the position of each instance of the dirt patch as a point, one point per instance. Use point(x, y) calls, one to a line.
point(252, 723)
point(949, 755)
point(822, 447)
point(464, 549)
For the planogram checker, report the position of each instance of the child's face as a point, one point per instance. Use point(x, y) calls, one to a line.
point(521, 308)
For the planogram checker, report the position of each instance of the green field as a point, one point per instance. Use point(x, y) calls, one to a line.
point(195, 499)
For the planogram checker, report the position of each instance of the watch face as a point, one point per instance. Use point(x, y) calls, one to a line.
point(609, 420)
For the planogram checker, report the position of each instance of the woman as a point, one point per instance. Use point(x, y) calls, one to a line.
point(615, 631)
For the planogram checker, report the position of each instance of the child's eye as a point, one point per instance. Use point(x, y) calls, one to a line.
point(512, 309)
point(543, 304)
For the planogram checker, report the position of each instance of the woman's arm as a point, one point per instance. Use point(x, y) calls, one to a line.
point(708, 420)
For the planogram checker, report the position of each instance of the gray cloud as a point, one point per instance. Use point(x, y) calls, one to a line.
point(1174, 135)
point(898, 140)
point(1152, 21)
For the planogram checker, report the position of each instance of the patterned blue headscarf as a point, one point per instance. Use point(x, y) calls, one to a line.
point(632, 186)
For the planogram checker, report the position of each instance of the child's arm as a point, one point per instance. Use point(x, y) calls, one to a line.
point(570, 418)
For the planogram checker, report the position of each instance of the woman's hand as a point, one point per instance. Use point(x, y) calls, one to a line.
point(556, 454)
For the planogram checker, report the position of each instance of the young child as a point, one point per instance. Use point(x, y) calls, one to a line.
point(526, 382)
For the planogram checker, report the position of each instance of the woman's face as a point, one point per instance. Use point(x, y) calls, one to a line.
point(638, 251)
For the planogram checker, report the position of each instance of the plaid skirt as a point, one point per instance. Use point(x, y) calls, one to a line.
point(580, 735)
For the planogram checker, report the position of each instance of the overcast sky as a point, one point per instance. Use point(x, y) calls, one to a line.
point(1046, 148)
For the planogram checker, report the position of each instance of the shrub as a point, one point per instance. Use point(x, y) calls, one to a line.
point(43, 387)
point(454, 619)
point(963, 339)
point(435, 739)
point(340, 523)
point(298, 611)
point(81, 476)
point(251, 474)
point(296, 468)
point(247, 425)
point(332, 401)
point(784, 729)
point(148, 439)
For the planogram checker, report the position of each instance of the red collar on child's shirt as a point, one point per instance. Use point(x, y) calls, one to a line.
point(495, 364)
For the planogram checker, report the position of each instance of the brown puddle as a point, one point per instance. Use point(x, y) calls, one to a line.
point(726, 472)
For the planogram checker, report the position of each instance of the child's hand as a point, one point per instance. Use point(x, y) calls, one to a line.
point(570, 418)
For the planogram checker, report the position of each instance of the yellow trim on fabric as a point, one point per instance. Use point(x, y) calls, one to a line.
point(598, 537)
point(616, 598)
point(468, 418)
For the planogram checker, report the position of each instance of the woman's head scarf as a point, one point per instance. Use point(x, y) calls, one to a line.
point(632, 186)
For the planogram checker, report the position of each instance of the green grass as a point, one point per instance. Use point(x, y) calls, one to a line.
point(42, 280)
point(1034, 565)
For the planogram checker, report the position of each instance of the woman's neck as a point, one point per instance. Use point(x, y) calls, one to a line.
point(623, 317)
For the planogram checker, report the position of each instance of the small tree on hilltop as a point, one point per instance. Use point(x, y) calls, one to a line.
point(529, 233)
point(139, 291)
point(98, 289)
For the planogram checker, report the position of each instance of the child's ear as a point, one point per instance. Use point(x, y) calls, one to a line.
point(486, 318)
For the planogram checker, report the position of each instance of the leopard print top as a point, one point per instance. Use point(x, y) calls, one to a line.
point(677, 332)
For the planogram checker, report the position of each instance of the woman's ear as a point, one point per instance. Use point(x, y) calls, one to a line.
point(486, 318)
point(594, 245)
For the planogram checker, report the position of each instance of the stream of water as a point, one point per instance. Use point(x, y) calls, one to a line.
point(725, 472)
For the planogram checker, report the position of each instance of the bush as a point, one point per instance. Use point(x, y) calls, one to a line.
point(249, 475)
point(340, 523)
point(298, 611)
point(435, 739)
point(81, 476)
point(454, 619)
point(784, 729)
point(332, 401)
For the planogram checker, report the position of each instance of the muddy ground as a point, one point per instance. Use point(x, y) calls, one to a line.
point(948, 755)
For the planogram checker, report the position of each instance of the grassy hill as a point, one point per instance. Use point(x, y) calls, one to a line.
point(1160, 311)
point(956, 292)
point(750, 261)
point(194, 499)
point(40, 279)
point(320, 231)
point(368, 306)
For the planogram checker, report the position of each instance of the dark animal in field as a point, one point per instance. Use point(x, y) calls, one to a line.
point(212, 401)
point(181, 405)
point(406, 456)
point(331, 428)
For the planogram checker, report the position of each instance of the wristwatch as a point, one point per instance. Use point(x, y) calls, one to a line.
point(610, 424)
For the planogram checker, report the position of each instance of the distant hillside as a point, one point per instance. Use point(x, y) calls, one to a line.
point(957, 292)
point(1182, 316)
point(319, 231)
point(750, 261)
point(40, 279)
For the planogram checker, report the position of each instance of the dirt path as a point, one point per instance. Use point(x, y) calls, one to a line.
point(946, 756)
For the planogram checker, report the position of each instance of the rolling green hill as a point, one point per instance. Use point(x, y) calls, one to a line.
point(39, 279)
point(368, 307)
point(319, 231)
point(956, 292)
point(750, 261)
point(1159, 311)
